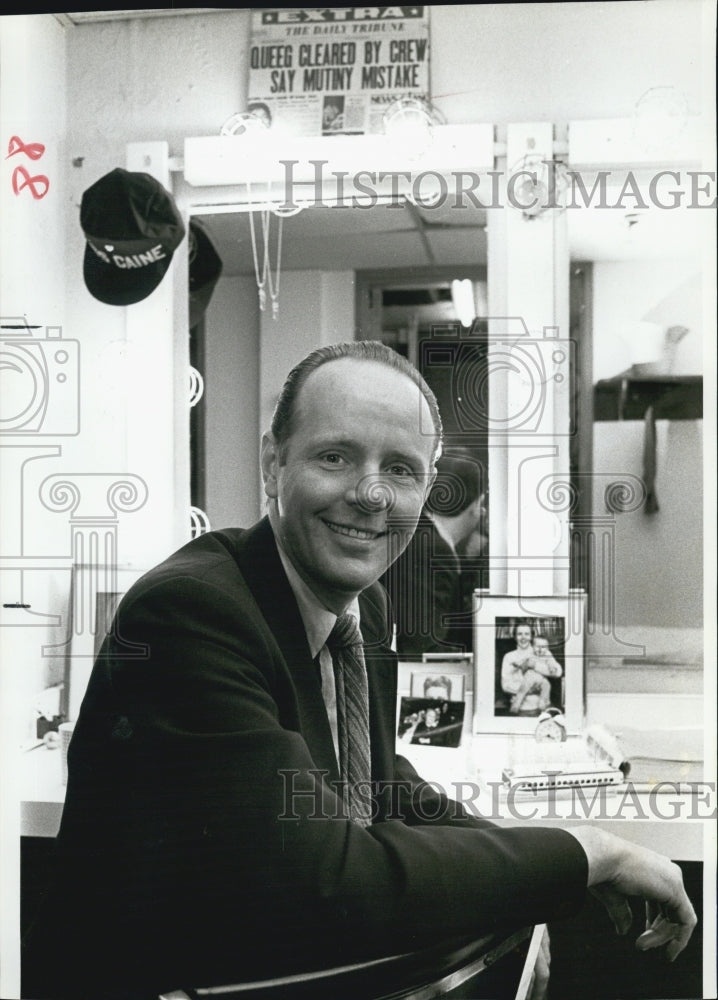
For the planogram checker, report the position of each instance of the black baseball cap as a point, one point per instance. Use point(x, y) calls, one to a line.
point(205, 268)
point(132, 228)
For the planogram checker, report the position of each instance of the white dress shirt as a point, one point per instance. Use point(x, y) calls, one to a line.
point(318, 623)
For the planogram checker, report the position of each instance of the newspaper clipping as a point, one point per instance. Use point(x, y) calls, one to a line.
point(335, 70)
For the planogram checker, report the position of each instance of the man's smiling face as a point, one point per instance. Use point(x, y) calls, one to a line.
point(348, 487)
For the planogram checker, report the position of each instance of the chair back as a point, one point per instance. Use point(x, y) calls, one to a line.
point(425, 975)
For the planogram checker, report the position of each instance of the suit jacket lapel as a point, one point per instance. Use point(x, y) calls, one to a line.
point(262, 569)
point(382, 672)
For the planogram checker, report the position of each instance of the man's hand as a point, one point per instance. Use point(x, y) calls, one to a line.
point(618, 869)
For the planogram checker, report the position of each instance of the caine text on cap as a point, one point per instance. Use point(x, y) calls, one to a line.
point(132, 228)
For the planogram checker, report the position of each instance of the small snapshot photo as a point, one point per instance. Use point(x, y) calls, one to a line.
point(444, 684)
point(333, 114)
point(432, 722)
point(262, 111)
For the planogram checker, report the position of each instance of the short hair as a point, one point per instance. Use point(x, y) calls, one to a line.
point(456, 487)
point(360, 350)
point(440, 681)
point(524, 624)
point(259, 106)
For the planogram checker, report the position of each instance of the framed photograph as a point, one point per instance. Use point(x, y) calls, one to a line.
point(528, 657)
point(432, 722)
point(96, 591)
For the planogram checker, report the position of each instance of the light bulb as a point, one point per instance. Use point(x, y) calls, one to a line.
point(462, 296)
point(659, 117)
point(408, 123)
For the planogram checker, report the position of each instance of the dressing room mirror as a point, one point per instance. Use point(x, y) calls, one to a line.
point(396, 272)
point(388, 272)
point(637, 306)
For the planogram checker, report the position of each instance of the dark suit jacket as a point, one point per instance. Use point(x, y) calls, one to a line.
point(432, 613)
point(200, 839)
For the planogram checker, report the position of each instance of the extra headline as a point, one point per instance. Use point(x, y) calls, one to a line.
point(387, 64)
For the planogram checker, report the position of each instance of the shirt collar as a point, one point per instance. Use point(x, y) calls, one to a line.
point(318, 621)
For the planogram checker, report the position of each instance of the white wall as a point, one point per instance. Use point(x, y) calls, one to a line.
point(32, 285)
point(558, 61)
point(232, 403)
point(247, 356)
point(32, 290)
point(508, 62)
point(664, 292)
point(316, 308)
point(33, 107)
point(658, 562)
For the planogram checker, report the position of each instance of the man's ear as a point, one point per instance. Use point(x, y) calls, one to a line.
point(429, 482)
point(478, 509)
point(269, 462)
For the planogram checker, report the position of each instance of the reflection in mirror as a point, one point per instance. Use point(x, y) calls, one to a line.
point(438, 320)
point(412, 277)
point(636, 314)
point(324, 253)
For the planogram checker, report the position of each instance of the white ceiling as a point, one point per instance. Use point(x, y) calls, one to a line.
point(338, 239)
point(404, 237)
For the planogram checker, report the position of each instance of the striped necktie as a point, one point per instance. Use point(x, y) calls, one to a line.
point(352, 689)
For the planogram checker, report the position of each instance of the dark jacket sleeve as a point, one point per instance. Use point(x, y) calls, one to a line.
point(193, 799)
point(426, 804)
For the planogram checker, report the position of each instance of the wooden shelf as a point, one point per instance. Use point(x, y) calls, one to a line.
point(673, 397)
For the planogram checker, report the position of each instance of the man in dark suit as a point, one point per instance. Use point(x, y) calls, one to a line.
point(431, 603)
point(208, 833)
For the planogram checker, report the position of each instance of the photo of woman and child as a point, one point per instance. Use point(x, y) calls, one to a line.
point(529, 672)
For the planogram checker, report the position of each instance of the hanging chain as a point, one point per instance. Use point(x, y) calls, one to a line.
point(274, 287)
point(261, 277)
point(264, 275)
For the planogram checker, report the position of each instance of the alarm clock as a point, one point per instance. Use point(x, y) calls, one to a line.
point(551, 727)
